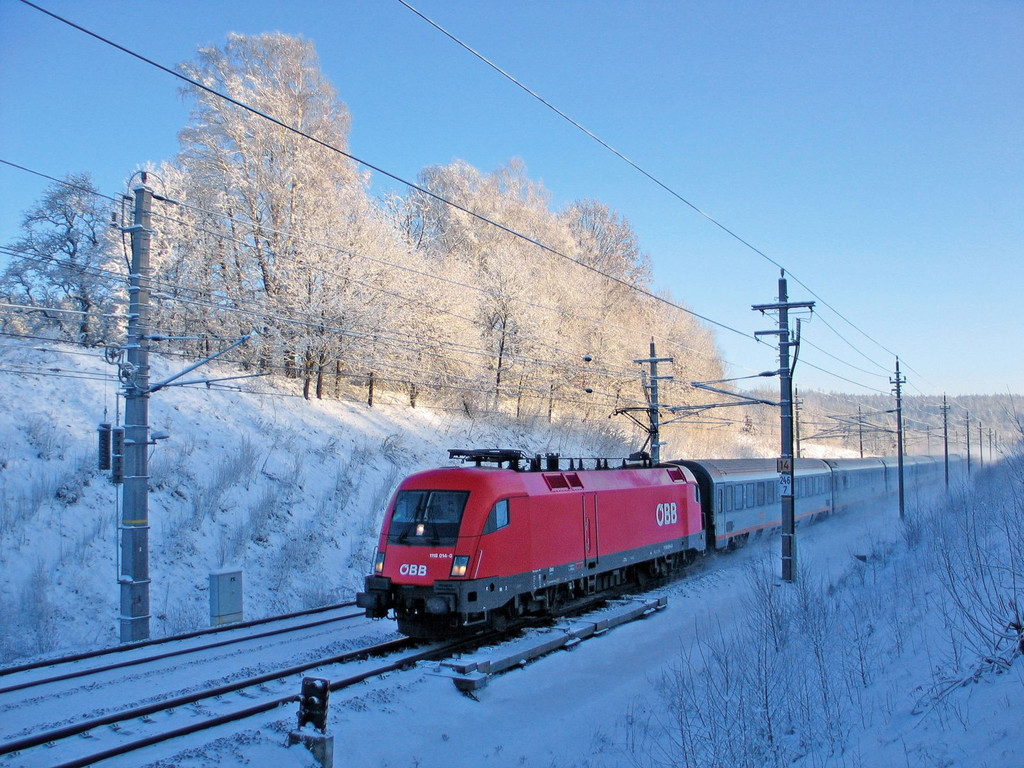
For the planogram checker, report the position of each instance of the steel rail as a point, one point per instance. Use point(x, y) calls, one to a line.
point(266, 706)
point(180, 652)
point(36, 740)
point(57, 660)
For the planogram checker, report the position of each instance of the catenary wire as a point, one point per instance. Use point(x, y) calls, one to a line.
point(412, 185)
point(731, 233)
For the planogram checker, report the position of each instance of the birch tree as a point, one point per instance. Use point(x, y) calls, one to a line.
point(508, 274)
point(65, 260)
point(286, 220)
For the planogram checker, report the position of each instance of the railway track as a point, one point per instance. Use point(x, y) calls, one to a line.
point(53, 711)
point(79, 732)
point(130, 730)
point(44, 672)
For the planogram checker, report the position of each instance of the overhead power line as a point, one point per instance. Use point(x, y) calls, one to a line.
point(843, 378)
point(65, 182)
point(484, 219)
point(394, 177)
point(650, 176)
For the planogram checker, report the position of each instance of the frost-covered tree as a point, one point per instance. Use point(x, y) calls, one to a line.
point(281, 231)
point(608, 242)
point(510, 279)
point(64, 264)
point(576, 284)
point(277, 233)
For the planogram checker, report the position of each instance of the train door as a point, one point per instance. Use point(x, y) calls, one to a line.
point(590, 539)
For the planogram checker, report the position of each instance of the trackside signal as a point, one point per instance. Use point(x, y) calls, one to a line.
point(117, 455)
point(103, 463)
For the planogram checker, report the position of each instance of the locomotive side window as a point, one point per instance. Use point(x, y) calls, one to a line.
point(427, 518)
point(739, 496)
point(750, 495)
point(760, 494)
point(497, 518)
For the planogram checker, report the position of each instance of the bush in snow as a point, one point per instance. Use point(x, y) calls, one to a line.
point(799, 679)
point(978, 549)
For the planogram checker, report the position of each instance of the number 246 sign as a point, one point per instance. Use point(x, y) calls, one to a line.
point(785, 485)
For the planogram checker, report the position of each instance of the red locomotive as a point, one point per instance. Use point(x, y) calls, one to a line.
point(478, 546)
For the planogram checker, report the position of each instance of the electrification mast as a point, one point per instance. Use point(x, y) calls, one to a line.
point(899, 381)
point(125, 450)
point(786, 462)
point(654, 405)
point(134, 576)
point(945, 437)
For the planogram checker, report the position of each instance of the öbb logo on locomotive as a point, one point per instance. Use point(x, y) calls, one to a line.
point(408, 569)
point(667, 514)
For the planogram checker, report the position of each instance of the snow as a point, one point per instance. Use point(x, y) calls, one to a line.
point(586, 707)
point(874, 665)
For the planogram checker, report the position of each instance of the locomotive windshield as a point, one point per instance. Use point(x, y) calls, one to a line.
point(427, 518)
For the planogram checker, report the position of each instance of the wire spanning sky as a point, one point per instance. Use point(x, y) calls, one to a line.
point(875, 149)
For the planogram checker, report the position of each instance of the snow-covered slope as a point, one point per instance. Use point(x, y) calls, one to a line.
point(290, 491)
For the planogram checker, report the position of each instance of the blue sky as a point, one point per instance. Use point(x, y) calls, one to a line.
point(874, 149)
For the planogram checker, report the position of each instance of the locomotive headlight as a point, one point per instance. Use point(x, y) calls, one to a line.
point(378, 564)
point(459, 566)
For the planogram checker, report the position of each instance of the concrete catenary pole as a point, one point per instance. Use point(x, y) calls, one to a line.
point(786, 462)
point(860, 430)
point(789, 468)
point(899, 381)
point(653, 401)
point(134, 576)
point(945, 437)
point(967, 429)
